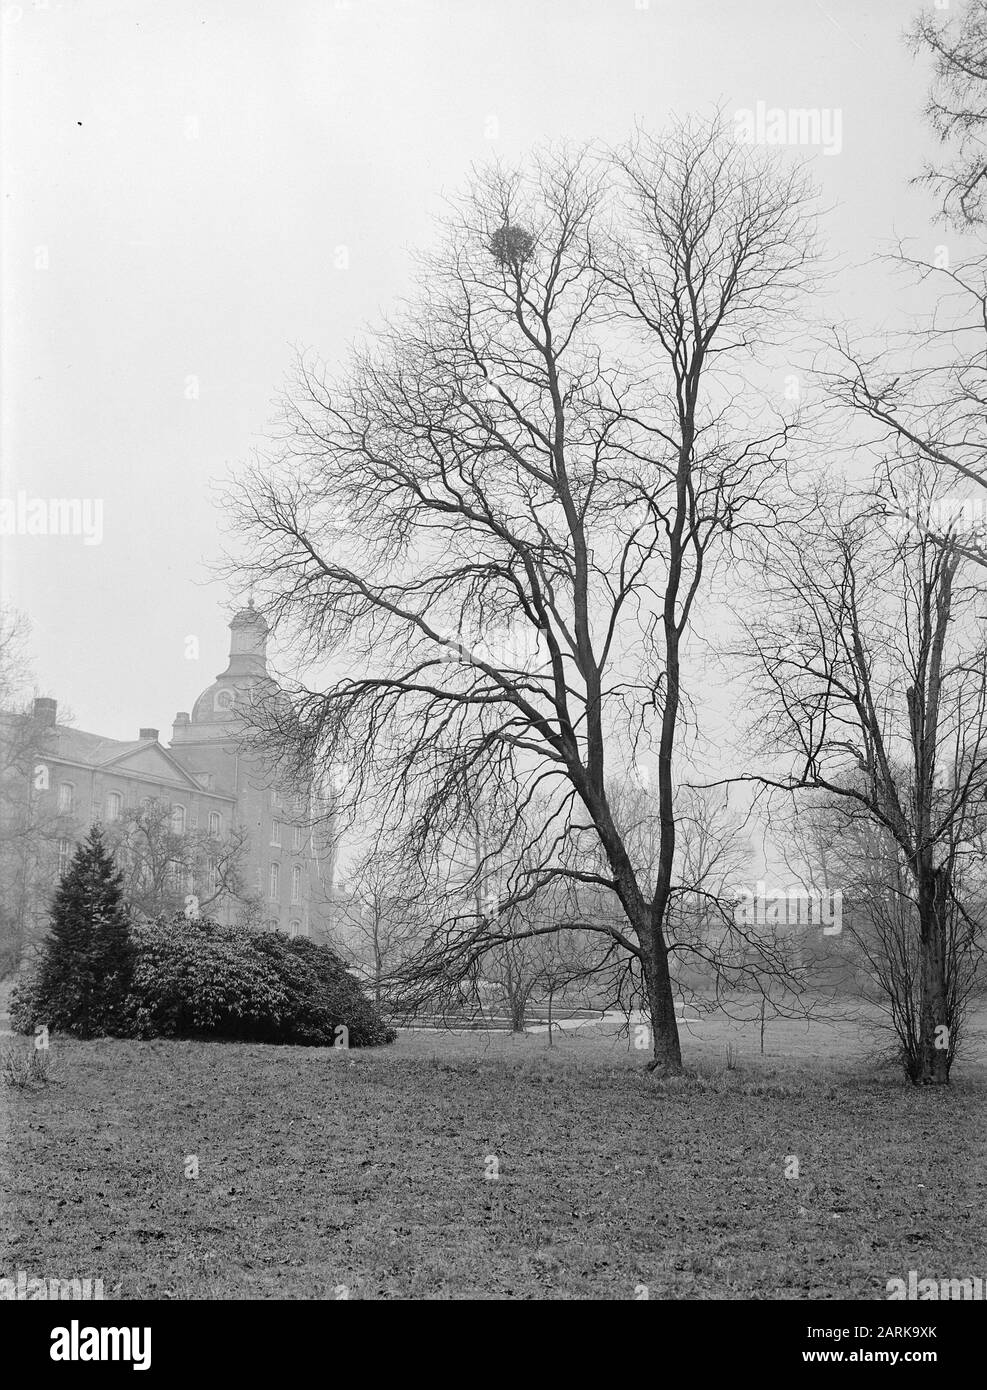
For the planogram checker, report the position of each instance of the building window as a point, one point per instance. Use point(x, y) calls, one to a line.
point(275, 881)
point(276, 834)
point(64, 855)
point(176, 876)
point(273, 924)
point(66, 798)
point(114, 806)
point(294, 927)
point(215, 824)
point(275, 800)
point(41, 777)
point(212, 879)
point(178, 820)
point(296, 884)
point(297, 838)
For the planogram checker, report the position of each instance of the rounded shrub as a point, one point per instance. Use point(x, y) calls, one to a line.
point(200, 979)
point(338, 998)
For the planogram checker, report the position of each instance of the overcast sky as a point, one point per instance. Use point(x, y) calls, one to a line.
point(179, 178)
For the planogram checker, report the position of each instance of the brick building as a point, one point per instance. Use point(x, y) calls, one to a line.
point(212, 788)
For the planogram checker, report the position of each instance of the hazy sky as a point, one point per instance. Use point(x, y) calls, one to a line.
point(178, 180)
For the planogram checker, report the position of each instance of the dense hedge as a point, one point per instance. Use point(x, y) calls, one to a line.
point(197, 979)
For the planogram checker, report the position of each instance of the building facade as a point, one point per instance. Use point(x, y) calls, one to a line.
point(206, 809)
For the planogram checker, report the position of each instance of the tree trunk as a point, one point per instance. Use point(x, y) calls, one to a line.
point(551, 996)
point(667, 1056)
point(934, 1025)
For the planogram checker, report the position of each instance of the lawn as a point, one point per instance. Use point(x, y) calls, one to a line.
point(321, 1172)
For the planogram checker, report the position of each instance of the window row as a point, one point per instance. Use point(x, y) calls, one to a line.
point(114, 810)
point(179, 816)
point(181, 878)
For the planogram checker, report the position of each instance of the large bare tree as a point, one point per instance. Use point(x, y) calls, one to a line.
point(490, 538)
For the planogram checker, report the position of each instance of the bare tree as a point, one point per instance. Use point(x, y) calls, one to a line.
point(928, 393)
point(502, 520)
point(881, 930)
point(572, 968)
point(534, 960)
point(381, 917)
point(513, 969)
point(957, 107)
point(873, 672)
point(163, 867)
point(29, 828)
point(925, 390)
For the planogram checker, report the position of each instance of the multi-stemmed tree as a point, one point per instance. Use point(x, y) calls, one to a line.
point(871, 672)
point(835, 841)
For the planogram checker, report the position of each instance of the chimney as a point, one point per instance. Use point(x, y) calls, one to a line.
point(46, 712)
point(149, 733)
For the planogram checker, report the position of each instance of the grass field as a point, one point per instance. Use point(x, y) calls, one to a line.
point(320, 1171)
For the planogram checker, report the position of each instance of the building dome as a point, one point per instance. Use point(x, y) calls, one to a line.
point(246, 675)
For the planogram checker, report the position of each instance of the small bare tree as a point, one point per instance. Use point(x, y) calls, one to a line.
point(162, 868)
point(540, 954)
point(380, 917)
